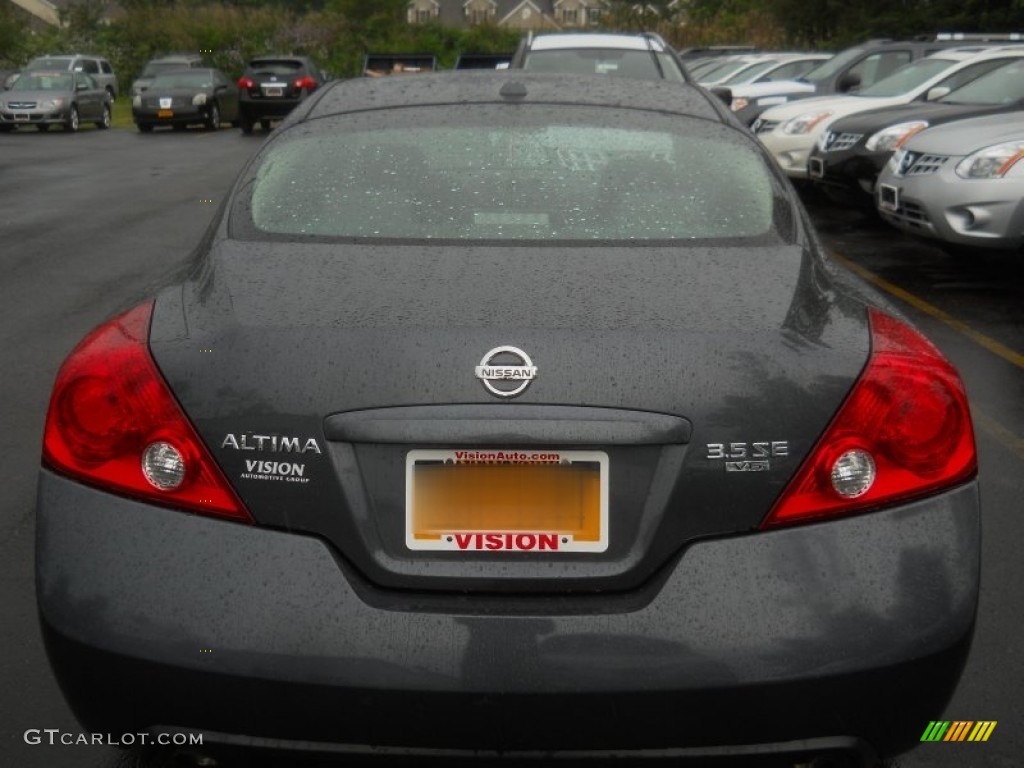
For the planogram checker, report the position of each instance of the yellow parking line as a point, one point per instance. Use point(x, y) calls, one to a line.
point(993, 346)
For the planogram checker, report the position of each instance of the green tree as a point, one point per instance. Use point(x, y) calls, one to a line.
point(13, 30)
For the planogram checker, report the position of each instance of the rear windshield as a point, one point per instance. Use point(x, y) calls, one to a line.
point(643, 65)
point(274, 66)
point(183, 79)
point(156, 67)
point(501, 172)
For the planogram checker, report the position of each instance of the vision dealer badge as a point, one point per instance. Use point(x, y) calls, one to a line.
point(281, 471)
point(506, 371)
point(266, 470)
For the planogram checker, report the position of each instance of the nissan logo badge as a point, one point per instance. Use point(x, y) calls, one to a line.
point(506, 371)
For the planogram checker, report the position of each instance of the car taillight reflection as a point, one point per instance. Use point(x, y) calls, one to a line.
point(903, 432)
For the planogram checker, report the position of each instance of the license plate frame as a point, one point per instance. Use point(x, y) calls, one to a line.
point(559, 499)
point(888, 197)
point(273, 91)
point(165, 113)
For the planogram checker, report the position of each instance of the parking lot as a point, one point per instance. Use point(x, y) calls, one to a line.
point(91, 223)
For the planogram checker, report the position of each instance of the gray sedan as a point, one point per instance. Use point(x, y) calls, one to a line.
point(961, 184)
point(510, 414)
point(48, 98)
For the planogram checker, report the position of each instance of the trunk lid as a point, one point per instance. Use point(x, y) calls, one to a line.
point(704, 374)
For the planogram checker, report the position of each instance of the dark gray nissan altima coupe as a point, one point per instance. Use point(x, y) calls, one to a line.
point(511, 414)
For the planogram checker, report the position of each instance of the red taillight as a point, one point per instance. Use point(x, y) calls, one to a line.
point(245, 83)
point(903, 432)
point(114, 423)
point(305, 83)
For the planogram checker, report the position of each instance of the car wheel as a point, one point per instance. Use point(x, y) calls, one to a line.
point(265, 125)
point(73, 124)
point(246, 125)
point(104, 122)
point(145, 127)
point(213, 120)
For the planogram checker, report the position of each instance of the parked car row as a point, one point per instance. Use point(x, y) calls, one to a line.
point(177, 90)
point(850, 70)
point(934, 147)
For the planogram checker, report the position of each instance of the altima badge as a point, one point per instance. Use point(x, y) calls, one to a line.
point(506, 371)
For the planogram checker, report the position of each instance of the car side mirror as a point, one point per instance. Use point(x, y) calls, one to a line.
point(848, 82)
point(937, 92)
point(724, 94)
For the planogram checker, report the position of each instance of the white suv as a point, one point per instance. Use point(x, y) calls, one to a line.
point(643, 56)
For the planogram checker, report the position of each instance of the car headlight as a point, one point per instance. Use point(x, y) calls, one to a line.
point(51, 104)
point(199, 100)
point(893, 137)
point(739, 103)
point(137, 101)
point(804, 123)
point(991, 162)
point(896, 161)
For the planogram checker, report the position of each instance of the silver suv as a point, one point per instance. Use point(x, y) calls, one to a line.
point(96, 67)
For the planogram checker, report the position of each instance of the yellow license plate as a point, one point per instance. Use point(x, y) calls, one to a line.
point(165, 113)
point(508, 500)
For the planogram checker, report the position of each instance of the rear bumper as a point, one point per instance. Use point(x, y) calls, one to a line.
point(849, 633)
point(182, 115)
point(258, 109)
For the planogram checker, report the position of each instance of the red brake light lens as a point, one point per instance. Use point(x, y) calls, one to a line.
point(246, 83)
point(305, 83)
point(904, 431)
point(114, 423)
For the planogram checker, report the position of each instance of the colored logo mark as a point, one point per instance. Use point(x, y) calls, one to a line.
point(959, 730)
